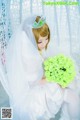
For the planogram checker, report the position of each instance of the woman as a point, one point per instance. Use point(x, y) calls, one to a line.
point(31, 97)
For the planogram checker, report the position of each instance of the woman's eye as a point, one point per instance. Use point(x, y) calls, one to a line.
point(47, 39)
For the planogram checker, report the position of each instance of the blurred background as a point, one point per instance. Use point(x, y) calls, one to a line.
point(63, 20)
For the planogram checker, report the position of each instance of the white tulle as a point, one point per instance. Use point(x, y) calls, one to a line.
point(24, 70)
point(29, 99)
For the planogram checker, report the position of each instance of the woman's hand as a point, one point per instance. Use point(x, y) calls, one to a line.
point(43, 81)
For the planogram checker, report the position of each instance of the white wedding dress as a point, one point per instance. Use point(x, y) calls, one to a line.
point(29, 99)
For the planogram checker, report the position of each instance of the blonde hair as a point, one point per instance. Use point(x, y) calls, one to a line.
point(43, 31)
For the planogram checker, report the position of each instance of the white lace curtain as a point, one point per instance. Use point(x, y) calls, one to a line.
point(64, 22)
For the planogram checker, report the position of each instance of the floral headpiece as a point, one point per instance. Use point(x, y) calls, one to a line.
point(40, 23)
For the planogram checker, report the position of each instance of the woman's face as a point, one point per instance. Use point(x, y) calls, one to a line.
point(42, 42)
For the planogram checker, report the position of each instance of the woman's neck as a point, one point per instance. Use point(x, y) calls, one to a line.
point(40, 51)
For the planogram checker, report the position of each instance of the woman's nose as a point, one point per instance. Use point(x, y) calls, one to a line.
point(43, 43)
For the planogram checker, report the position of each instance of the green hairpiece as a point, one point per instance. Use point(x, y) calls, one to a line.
point(40, 23)
point(59, 69)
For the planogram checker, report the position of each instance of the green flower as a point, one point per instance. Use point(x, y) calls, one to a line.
point(60, 69)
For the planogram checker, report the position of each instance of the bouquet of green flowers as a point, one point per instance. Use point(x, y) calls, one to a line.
point(59, 69)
